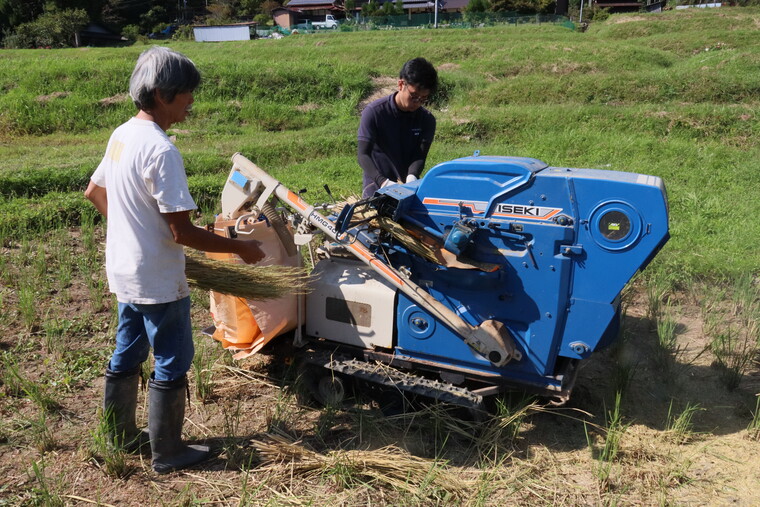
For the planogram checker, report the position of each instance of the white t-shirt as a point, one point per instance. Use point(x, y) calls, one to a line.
point(143, 174)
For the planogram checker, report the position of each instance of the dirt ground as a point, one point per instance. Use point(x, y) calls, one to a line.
point(552, 460)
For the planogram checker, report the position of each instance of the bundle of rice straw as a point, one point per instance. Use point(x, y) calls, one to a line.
point(422, 244)
point(389, 465)
point(256, 283)
point(365, 214)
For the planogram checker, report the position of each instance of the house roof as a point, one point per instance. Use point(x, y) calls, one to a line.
point(419, 4)
point(94, 33)
point(307, 5)
point(245, 23)
point(455, 4)
point(430, 4)
point(613, 3)
point(99, 29)
point(312, 4)
point(328, 7)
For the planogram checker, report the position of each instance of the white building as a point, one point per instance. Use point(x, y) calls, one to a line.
point(239, 31)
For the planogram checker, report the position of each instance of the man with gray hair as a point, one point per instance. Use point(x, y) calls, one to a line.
point(141, 188)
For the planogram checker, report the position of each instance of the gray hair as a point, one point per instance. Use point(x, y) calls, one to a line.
point(163, 70)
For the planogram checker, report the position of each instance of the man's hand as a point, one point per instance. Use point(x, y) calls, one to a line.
point(251, 252)
point(187, 234)
point(388, 183)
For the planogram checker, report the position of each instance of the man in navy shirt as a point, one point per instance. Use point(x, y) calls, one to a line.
point(395, 132)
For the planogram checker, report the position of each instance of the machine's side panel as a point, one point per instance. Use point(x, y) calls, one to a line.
point(350, 304)
point(478, 178)
point(623, 222)
point(517, 233)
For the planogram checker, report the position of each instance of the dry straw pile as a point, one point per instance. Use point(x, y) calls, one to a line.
point(388, 466)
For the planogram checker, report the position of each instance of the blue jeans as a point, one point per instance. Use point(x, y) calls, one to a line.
point(165, 327)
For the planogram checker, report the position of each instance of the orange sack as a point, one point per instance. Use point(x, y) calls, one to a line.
point(245, 326)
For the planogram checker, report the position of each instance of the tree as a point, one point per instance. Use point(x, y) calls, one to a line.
point(222, 12)
point(54, 28)
point(94, 8)
point(115, 14)
point(523, 6)
point(477, 6)
point(267, 6)
point(263, 19)
point(475, 12)
point(389, 8)
point(16, 12)
point(350, 6)
point(370, 9)
point(154, 20)
point(250, 8)
point(146, 14)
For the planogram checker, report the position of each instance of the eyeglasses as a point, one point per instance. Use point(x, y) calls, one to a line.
point(415, 96)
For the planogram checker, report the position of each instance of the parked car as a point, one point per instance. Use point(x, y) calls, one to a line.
point(310, 24)
point(329, 22)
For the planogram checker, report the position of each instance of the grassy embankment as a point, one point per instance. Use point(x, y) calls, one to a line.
point(673, 95)
point(674, 100)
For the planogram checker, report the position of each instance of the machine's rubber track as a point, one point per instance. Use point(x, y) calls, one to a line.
point(378, 373)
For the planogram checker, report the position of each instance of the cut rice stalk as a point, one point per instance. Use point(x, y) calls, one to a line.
point(389, 465)
point(256, 283)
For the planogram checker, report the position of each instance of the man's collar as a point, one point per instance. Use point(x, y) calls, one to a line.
point(397, 110)
point(394, 106)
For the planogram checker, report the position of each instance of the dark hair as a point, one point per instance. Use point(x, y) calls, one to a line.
point(420, 72)
point(162, 69)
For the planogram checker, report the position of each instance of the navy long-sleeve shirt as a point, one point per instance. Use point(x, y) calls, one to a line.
point(392, 143)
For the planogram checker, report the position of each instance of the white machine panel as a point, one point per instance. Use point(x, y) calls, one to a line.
point(350, 304)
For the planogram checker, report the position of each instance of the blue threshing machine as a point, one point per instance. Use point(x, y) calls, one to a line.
point(489, 274)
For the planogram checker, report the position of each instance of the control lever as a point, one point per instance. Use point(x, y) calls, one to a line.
point(329, 194)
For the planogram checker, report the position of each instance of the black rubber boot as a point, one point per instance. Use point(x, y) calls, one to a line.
point(119, 405)
point(165, 419)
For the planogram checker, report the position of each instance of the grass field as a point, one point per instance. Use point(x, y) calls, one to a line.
point(667, 416)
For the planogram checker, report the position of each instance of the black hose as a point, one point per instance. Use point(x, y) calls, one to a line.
point(276, 221)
